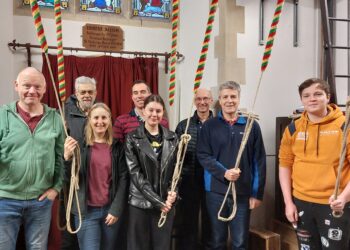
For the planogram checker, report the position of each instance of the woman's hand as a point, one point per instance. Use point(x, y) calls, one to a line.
point(169, 202)
point(69, 145)
point(110, 220)
point(171, 197)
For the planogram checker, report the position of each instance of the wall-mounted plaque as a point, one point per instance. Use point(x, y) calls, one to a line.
point(103, 37)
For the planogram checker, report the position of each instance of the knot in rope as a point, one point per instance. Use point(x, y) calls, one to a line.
point(186, 138)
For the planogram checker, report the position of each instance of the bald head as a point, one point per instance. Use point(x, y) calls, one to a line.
point(203, 100)
point(31, 71)
point(203, 92)
point(30, 86)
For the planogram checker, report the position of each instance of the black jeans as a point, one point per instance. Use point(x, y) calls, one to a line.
point(143, 230)
point(188, 209)
point(318, 229)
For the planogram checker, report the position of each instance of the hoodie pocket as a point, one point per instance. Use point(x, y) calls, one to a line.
point(4, 173)
point(17, 172)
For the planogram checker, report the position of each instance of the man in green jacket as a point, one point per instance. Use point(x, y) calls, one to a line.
point(31, 167)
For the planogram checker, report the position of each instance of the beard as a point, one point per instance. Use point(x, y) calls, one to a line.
point(86, 106)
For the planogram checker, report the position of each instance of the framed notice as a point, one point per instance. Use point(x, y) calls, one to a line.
point(105, 38)
point(49, 3)
point(152, 8)
point(108, 6)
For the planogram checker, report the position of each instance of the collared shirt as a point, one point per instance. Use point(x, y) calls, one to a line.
point(31, 121)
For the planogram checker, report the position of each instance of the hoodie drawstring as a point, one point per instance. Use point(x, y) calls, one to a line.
point(305, 138)
point(317, 140)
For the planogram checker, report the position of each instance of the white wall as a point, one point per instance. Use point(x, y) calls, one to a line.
point(6, 58)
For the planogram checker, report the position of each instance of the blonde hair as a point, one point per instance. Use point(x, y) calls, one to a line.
point(89, 134)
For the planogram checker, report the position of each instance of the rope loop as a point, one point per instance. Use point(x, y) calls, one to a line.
point(73, 191)
point(251, 117)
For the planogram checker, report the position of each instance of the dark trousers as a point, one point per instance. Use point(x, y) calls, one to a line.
point(188, 209)
point(143, 230)
point(68, 241)
point(318, 229)
point(239, 225)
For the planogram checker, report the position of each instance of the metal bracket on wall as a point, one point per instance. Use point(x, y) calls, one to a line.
point(295, 23)
point(261, 23)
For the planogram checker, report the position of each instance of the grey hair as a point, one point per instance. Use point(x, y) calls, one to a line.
point(84, 80)
point(230, 85)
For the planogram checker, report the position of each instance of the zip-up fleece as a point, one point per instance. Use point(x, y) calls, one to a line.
point(30, 163)
point(312, 153)
point(217, 150)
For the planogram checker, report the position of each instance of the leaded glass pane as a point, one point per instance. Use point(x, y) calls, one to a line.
point(151, 8)
point(111, 6)
point(49, 3)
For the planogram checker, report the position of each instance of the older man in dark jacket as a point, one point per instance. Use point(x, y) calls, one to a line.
point(75, 110)
point(191, 190)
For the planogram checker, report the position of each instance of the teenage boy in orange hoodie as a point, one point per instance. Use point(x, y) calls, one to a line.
point(308, 159)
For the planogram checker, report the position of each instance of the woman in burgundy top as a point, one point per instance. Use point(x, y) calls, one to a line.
point(102, 181)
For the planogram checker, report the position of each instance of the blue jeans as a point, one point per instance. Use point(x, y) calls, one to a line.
point(35, 216)
point(239, 226)
point(94, 234)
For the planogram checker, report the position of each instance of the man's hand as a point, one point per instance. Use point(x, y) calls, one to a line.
point(50, 194)
point(292, 213)
point(338, 204)
point(254, 203)
point(232, 174)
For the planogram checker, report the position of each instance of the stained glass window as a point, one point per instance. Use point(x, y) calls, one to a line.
point(48, 3)
point(151, 8)
point(112, 6)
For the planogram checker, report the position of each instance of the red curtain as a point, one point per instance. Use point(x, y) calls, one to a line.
point(114, 77)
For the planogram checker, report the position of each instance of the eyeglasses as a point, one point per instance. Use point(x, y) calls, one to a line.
point(83, 92)
point(204, 99)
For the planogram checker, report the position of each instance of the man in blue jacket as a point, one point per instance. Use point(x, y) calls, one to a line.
point(217, 149)
point(31, 166)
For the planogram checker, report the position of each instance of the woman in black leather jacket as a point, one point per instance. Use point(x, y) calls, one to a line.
point(150, 156)
point(102, 181)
